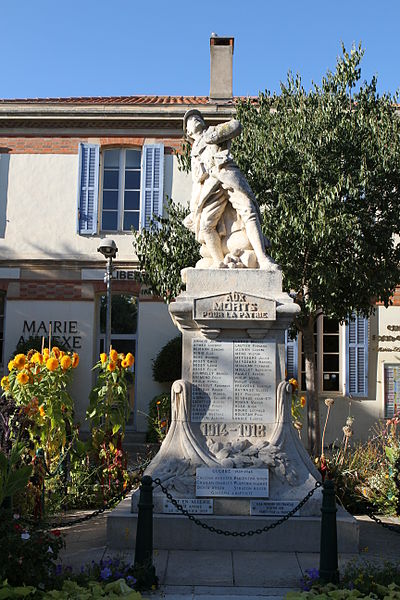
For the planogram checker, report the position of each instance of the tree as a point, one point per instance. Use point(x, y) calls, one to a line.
point(325, 168)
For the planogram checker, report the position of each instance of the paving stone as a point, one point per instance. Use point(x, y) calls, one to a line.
point(199, 567)
point(269, 569)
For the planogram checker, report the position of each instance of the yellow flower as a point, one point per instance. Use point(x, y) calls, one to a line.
point(42, 411)
point(66, 362)
point(4, 383)
point(294, 383)
point(11, 365)
point(111, 366)
point(51, 364)
point(19, 361)
point(302, 401)
point(130, 358)
point(103, 358)
point(125, 363)
point(22, 378)
point(56, 351)
point(37, 358)
point(75, 360)
point(114, 355)
point(46, 353)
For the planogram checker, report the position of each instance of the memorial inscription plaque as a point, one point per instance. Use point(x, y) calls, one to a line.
point(238, 483)
point(195, 506)
point(235, 305)
point(272, 508)
point(233, 381)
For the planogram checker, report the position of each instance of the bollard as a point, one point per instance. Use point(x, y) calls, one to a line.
point(328, 558)
point(143, 565)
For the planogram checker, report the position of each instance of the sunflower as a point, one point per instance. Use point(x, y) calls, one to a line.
point(4, 383)
point(302, 401)
point(111, 366)
point(11, 365)
point(103, 358)
point(37, 358)
point(19, 361)
point(66, 362)
point(56, 351)
point(51, 364)
point(114, 355)
point(22, 378)
point(130, 358)
point(75, 360)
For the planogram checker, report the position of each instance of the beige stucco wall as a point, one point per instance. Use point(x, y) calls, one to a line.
point(40, 193)
point(155, 328)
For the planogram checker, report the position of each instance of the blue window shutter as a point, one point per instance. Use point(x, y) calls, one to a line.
point(88, 188)
point(291, 353)
point(152, 183)
point(357, 357)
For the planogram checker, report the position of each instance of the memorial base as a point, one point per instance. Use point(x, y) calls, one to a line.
point(176, 532)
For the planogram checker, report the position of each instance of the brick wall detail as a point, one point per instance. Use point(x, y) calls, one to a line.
point(34, 290)
point(69, 145)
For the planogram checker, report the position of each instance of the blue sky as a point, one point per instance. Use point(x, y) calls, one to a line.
point(128, 47)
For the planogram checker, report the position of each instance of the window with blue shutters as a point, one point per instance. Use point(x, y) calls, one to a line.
point(132, 187)
point(357, 357)
point(88, 186)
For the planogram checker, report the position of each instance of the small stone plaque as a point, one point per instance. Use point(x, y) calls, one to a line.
point(195, 506)
point(235, 305)
point(234, 483)
point(273, 508)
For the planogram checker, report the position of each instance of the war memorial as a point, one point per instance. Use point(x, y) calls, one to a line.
point(232, 457)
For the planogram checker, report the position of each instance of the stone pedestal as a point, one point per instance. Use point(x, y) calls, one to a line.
point(232, 455)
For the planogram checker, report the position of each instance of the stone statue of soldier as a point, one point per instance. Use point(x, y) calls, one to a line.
point(224, 214)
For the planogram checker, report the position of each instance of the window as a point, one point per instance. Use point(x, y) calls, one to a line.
point(341, 356)
point(121, 190)
point(392, 389)
point(327, 343)
point(124, 311)
point(131, 188)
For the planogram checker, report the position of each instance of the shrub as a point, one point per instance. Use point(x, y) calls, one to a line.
point(159, 418)
point(167, 366)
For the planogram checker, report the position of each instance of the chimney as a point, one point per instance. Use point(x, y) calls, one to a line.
point(221, 55)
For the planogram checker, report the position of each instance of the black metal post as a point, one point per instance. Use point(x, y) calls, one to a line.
point(144, 534)
point(328, 558)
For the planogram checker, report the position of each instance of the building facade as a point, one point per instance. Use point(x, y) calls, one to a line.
point(74, 171)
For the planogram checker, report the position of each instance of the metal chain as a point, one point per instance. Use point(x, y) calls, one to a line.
point(212, 529)
point(394, 528)
point(110, 503)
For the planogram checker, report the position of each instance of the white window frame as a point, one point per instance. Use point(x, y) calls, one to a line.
point(396, 405)
point(121, 188)
point(320, 359)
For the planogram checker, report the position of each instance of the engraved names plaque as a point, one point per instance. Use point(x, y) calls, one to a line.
point(235, 305)
point(195, 506)
point(272, 508)
point(234, 483)
point(233, 381)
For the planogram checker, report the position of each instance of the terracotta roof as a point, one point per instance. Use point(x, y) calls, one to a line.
point(113, 100)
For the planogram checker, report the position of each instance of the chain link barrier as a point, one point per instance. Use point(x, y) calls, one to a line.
point(228, 532)
point(378, 521)
point(110, 504)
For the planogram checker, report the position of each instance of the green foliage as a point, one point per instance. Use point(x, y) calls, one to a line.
point(359, 580)
point(71, 590)
point(159, 418)
point(13, 476)
point(167, 366)
point(163, 250)
point(28, 554)
point(366, 475)
point(325, 167)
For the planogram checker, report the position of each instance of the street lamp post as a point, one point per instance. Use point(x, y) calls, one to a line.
point(109, 250)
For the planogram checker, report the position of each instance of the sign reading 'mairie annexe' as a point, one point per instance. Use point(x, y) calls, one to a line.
point(65, 333)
